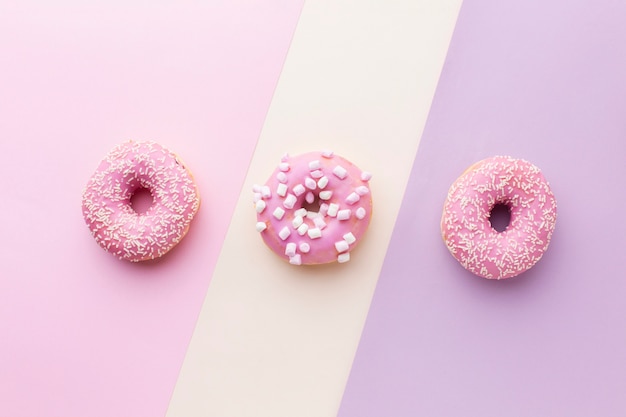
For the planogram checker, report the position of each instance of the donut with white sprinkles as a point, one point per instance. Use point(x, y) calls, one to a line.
point(107, 208)
point(314, 208)
point(465, 224)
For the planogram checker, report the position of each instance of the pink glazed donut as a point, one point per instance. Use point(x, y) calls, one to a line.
point(107, 207)
point(314, 208)
point(466, 227)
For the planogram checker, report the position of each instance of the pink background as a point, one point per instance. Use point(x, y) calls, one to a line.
point(540, 80)
point(84, 334)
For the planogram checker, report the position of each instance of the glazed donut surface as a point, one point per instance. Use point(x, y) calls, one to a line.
point(466, 227)
point(314, 208)
point(107, 209)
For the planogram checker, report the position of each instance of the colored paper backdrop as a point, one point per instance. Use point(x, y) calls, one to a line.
point(544, 81)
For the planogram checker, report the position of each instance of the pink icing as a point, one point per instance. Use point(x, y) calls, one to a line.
point(106, 201)
point(465, 225)
point(327, 227)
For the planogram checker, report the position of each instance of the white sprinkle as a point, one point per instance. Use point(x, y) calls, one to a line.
point(284, 233)
point(340, 172)
point(260, 226)
point(313, 165)
point(297, 221)
point(360, 213)
point(326, 195)
point(278, 213)
point(362, 190)
point(310, 183)
point(343, 214)
point(319, 222)
point(316, 174)
point(296, 259)
point(260, 206)
point(332, 209)
point(352, 198)
point(289, 201)
point(265, 191)
point(281, 190)
point(300, 212)
point(365, 176)
point(304, 247)
point(302, 229)
point(290, 249)
point(309, 197)
point(314, 233)
point(327, 153)
point(283, 166)
point(298, 189)
point(341, 246)
point(349, 237)
point(281, 177)
point(343, 257)
point(322, 182)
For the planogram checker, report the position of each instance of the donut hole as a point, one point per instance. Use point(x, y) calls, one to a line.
point(313, 206)
point(500, 217)
point(141, 200)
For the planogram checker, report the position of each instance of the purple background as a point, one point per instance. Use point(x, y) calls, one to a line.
point(544, 81)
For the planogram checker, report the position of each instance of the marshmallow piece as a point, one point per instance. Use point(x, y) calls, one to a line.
point(360, 213)
point(285, 157)
point(257, 197)
point(289, 201)
point(260, 226)
point(290, 249)
point(284, 166)
point(296, 259)
point(341, 246)
point(319, 222)
point(349, 237)
point(352, 198)
point(343, 257)
point(322, 182)
point(333, 209)
point(362, 190)
point(314, 233)
point(313, 165)
point(284, 233)
point(278, 213)
point(304, 247)
point(265, 191)
point(302, 229)
point(281, 190)
point(260, 206)
point(340, 172)
point(281, 177)
point(323, 209)
point(256, 188)
point(297, 221)
point(309, 197)
point(365, 176)
point(316, 174)
point(298, 189)
point(344, 214)
point(310, 183)
point(326, 195)
point(327, 153)
point(301, 212)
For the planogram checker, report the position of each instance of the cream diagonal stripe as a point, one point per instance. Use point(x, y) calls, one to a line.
point(274, 339)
